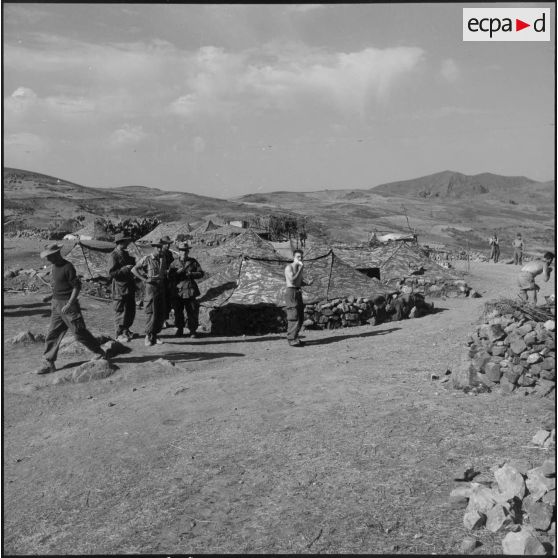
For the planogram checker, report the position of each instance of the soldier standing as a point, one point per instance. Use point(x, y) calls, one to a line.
point(183, 274)
point(123, 287)
point(151, 269)
point(293, 298)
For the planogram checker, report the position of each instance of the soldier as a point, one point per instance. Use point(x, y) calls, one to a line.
point(65, 310)
point(183, 274)
point(494, 243)
point(293, 298)
point(151, 269)
point(518, 249)
point(527, 274)
point(123, 287)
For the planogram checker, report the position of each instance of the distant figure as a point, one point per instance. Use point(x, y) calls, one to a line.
point(517, 249)
point(494, 248)
point(65, 310)
point(529, 271)
point(293, 298)
point(123, 287)
point(182, 276)
point(152, 270)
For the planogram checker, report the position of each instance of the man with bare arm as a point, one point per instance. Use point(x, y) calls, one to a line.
point(529, 271)
point(293, 298)
point(65, 310)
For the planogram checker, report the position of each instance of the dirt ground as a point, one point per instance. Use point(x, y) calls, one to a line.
point(247, 445)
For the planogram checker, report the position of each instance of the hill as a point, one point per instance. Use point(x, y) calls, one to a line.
point(445, 208)
point(37, 200)
point(454, 185)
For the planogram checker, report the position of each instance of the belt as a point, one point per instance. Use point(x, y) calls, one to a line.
point(296, 288)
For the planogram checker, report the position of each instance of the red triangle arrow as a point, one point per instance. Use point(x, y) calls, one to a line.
point(519, 25)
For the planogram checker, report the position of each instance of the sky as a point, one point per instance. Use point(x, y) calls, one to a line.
point(224, 100)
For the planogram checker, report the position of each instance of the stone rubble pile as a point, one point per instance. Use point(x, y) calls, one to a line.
point(439, 288)
point(520, 501)
point(339, 312)
point(514, 351)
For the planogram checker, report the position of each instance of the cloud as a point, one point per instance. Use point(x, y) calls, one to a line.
point(291, 76)
point(449, 70)
point(24, 142)
point(127, 135)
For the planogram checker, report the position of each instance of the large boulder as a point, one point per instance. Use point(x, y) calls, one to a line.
point(93, 370)
point(510, 482)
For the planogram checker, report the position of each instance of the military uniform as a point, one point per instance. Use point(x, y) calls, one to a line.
point(64, 280)
point(154, 267)
point(182, 276)
point(123, 290)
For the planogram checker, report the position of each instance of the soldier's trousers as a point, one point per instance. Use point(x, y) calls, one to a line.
point(192, 308)
point(295, 312)
point(155, 309)
point(124, 313)
point(60, 323)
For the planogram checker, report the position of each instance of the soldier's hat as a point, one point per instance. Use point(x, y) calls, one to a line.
point(51, 249)
point(157, 243)
point(165, 240)
point(121, 237)
point(183, 246)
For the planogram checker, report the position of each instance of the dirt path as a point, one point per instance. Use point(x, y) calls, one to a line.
point(247, 445)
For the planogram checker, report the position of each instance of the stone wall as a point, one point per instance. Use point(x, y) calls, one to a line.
point(515, 351)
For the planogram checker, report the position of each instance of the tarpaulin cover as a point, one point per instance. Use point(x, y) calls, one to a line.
point(91, 257)
point(252, 281)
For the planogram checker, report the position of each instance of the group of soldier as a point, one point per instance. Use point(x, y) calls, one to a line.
point(172, 284)
point(169, 284)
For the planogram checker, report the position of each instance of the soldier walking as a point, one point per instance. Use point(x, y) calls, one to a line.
point(123, 287)
point(65, 310)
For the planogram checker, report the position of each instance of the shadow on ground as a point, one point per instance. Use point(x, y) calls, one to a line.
point(334, 339)
point(176, 357)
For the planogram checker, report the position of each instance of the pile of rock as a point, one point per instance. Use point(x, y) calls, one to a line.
point(439, 287)
point(519, 500)
point(19, 279)
point(515, 352)
point(339, 312)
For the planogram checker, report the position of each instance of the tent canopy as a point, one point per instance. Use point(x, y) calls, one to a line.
point(91, 257)
point(251, 281)
point(171, 229)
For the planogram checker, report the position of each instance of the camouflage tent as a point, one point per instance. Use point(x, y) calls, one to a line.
point(247, 244)
point(85, 233)
point(215, 237)
point(90, 257)
point(248, 280)
point(172, 229)
point(205, 227)
point(403, 263)
point(248, 295)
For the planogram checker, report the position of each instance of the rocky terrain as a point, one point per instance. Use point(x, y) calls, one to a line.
point(448, 208)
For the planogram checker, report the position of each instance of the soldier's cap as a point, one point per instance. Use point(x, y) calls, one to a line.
point(156, 243)
point(165, 240)
point(51, 249)
point(183, 246)
point(121, 237)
